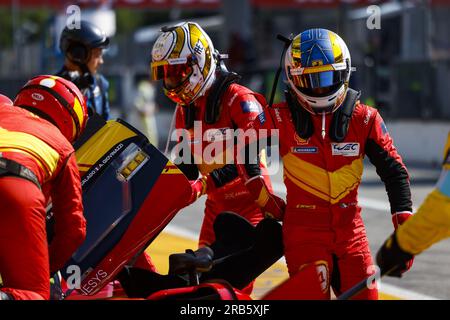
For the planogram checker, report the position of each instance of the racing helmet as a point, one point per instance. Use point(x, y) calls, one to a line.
point(5, 100)
point(57, 100)
point(77, 43)
point(318, 65)
point(183, 57)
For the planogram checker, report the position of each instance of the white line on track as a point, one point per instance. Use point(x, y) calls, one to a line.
point(181, 232)
point(403, 293)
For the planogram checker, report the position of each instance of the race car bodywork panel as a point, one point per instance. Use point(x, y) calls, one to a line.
point(126, 198)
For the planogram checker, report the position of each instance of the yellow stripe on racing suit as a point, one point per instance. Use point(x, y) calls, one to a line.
point(431, 223)
point(329, 186)
point(46, 157)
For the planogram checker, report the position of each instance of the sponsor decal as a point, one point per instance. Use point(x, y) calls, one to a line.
point(37, 96)
point(346, 149)
point(344, 205)
point(234, 195)
point(322, 272)
point(101, 163)
point(250, 106)
point(262, 117)
point(219, 134)
point(159, 49)
point(181, 60)
point(304, 149)
point(277, 115)
point(93, 283)
point(300, 140)
point(306, 206)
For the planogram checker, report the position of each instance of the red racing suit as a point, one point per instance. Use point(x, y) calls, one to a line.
point(212, 148)
point(322, 223)
point(26, 260)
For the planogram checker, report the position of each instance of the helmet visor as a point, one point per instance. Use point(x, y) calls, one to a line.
point(180, 94)
point(319, 81)
point(172, 71)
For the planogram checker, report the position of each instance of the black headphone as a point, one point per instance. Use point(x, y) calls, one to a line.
point(78, 53)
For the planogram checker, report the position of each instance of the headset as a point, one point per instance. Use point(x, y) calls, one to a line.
point(78, 53)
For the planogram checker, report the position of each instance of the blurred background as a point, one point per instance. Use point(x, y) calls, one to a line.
point(401, 50)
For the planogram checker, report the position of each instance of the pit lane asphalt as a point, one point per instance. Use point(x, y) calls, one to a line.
point(430, 275)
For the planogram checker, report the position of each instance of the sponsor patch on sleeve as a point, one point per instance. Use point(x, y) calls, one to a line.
point(251, 106)
point(262, 117)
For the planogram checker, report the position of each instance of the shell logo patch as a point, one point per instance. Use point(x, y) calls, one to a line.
point(300, 140)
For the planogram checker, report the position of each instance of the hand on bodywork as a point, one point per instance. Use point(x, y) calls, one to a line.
point(248, 163)
point(271, 205)
point(214, 180)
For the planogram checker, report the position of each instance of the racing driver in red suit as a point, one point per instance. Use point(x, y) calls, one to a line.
point(37, 162)
point(324, 135)
point(210, 105)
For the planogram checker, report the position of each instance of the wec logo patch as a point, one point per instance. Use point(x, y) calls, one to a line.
point(219, 134)
point(346, 149)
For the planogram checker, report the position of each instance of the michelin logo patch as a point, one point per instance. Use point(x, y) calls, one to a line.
point(304, 150)
point(346, 149)
point(250, 106)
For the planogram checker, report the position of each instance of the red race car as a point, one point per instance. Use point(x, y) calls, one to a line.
point(131, 191)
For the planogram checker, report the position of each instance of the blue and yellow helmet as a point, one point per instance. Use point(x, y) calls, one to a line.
point(318, 67)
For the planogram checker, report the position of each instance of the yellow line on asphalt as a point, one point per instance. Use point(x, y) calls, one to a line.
point(385, 296)
point(167, 243)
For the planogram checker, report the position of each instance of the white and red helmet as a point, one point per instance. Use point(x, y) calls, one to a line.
point(183, 57)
